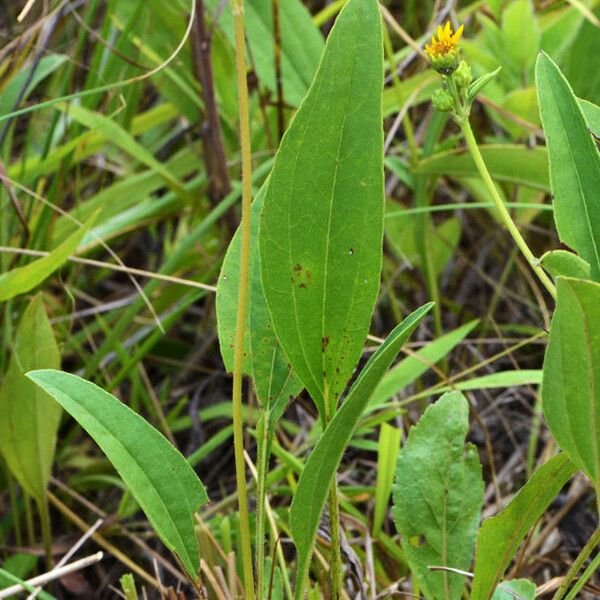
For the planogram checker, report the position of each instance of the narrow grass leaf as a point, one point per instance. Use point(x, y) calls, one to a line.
point(322, 222)
point(29, 418)
point(499, 537)
point(159, 477)
point(501, 379)
point(438, 494)
point(30, 78)
point(23, 279)
point(412, 367)
point(316, 478)
point(571, 383)
point(574, 164)
point(274, 380)
point(388, 447)
point(115, 134)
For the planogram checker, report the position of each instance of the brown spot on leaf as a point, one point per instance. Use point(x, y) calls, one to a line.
point(324, 342)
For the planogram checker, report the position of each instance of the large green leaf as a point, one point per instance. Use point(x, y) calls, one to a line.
point(264, 359)
point(316, 478)
point(510, 163)
point(322, 221)
point(571, 382)
point(438, 494)
point(574, 164)
point(23, 279)
point(159, 477)
point(29, 418)
point(500, 537)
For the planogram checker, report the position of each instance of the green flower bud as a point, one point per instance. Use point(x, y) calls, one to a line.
point(463, 76)
point(441, 100)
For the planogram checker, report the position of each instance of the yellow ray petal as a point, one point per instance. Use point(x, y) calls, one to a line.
point(458, 33)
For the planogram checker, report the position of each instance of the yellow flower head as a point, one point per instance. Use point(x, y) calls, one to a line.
point(446, 42)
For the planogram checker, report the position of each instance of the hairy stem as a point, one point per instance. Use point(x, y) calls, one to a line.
point(242, 313)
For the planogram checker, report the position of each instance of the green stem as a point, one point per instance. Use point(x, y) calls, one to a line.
point(261, 470)
point(336, 552)
point(242, 313)
point(572, 572)
point(465, 127)
point(591, 569)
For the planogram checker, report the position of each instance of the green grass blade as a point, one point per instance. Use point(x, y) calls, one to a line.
point(23, 279)
point(322, 222)
point(412, 367)
point(124, 140)
point(388, 447)
point(159, 477)
point(321, 466)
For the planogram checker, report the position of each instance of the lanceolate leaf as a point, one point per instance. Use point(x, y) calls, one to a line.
point(29, 418)
point(574, 164)
point(264, 360)
point(158, 476)
point(324, 460)
point(500, 537)
point(438, 494)
point(571, 380)
point(322, 222)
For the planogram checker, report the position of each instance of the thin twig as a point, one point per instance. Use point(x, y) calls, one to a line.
point(53, 575)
